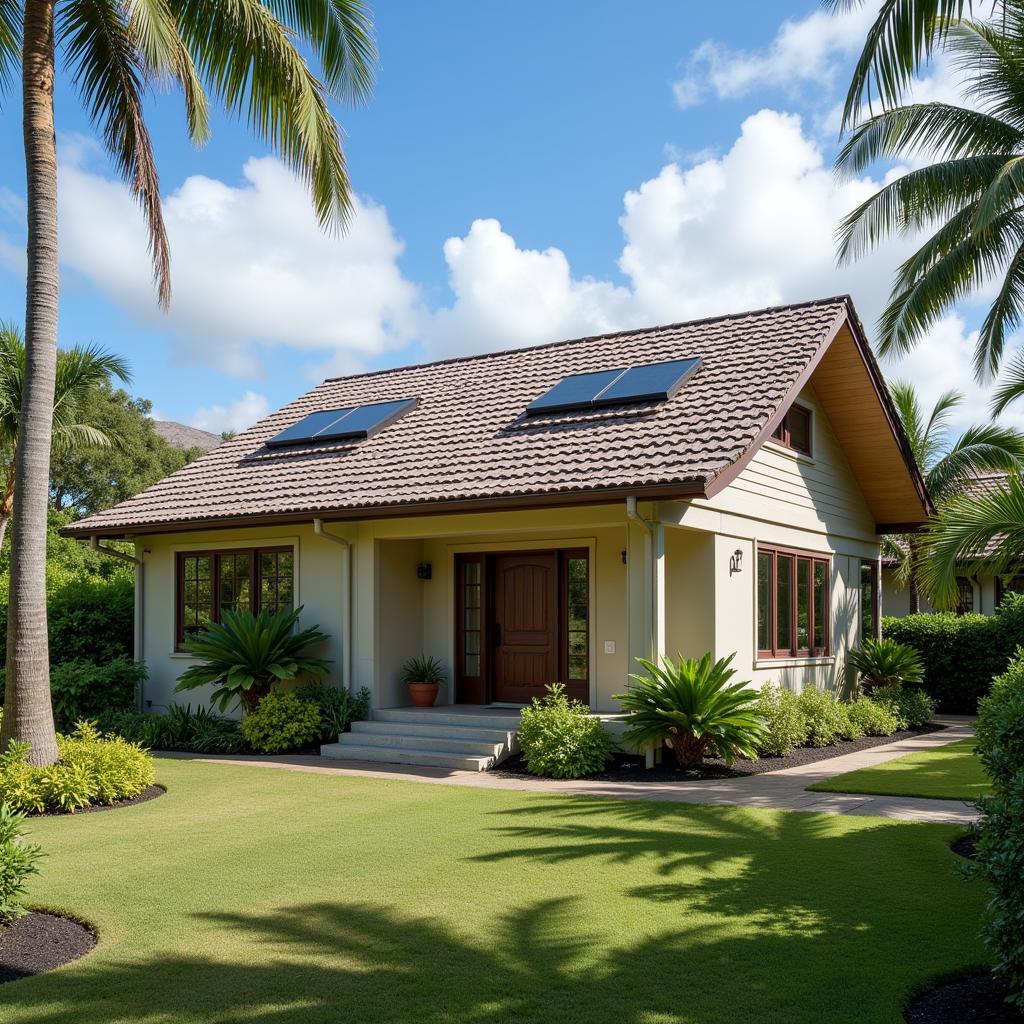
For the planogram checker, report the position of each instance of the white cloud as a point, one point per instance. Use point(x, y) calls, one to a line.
point(804, 52)
point(238, 415)
point(250, 266)
point(751, 228)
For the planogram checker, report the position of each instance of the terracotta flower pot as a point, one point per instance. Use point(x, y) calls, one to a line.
point(423, 694)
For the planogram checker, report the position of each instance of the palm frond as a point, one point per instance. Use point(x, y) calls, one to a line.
point(10, 41)
point(1010, 387)
point(1002, 318)
point(981, 449)
point(108, 69)
point(69, 436)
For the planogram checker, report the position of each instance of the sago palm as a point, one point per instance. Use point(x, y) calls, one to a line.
point(967, 201)
point(80, 371)
point(949, 466)
point(273, 63)
point(690, 705)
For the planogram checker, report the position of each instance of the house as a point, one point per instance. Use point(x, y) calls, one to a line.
point(549, 513)
point(977, 592)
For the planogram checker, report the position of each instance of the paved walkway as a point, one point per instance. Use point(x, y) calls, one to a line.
point(782, 790)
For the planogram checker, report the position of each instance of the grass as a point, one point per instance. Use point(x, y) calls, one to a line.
point(255, 894)
point(951, 772)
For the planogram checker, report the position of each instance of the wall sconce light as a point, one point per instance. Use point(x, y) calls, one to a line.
point(424, 571)
point(736, 562)
point(624, 560)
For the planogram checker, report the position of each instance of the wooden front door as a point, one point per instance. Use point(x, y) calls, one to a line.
point(525, 625)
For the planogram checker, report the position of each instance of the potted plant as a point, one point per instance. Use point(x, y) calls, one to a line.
point(424, 677)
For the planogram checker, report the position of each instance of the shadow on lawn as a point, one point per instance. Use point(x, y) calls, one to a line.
point(771, 919)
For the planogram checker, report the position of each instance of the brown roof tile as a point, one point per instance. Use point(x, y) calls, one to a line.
point(468, 439)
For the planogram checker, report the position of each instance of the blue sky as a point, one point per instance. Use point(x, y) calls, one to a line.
point(645, 164)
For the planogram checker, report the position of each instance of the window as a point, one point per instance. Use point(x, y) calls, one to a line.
point(869, 624)
point(577, 616)
point(1008, 585)
point(792, 604)
point(795, 430)
point(244, 579)
point(964, 595)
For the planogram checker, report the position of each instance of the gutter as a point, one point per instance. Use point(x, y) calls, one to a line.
point(139, 640)
point(346, 620)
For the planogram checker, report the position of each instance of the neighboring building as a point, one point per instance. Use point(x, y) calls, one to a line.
point(539, 515)
point(181, 435)
point(978, 592)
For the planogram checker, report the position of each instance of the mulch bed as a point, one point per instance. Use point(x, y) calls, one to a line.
point(149, 793)
point(40, 942)
point(977, 998)
point(630, 768)
point(965, 846)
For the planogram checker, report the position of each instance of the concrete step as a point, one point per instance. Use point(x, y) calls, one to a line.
point(396, 755)
point(411, 740)
point(506, 722)
point(448, 732)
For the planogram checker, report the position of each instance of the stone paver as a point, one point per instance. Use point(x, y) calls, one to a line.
point(780, 790)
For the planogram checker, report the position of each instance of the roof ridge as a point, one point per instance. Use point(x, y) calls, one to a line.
point(846, 299)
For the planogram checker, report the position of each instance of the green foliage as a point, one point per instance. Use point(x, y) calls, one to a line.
point(92, 769)
point(85, 480)
point(961, 653)
point(872, 717)
point(422, 669)
point(827, 717)
point(886, 663)
point(244, 654)
point(560, 739)
point(181, 728)
point(338, 708)
point(912, 708)
point(1000, 849)
point(690, 705)
point(81, 690)
point(785, 722)
point(282, 721)
point(18, 862)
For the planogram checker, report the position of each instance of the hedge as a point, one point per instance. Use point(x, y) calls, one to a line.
point(961, 653)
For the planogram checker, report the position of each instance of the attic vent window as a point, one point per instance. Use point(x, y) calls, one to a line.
point(653, 382)
point(350, 423)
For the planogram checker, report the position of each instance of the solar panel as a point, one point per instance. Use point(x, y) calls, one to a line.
point(303, 431)
point(575, 392)
point(365, 420)
point(655, 382)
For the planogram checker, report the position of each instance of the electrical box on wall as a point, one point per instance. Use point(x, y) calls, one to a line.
point(609, 647)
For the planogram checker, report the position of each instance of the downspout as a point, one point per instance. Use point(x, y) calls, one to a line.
point(139, 640)
point(346, 622)
point(631, 513)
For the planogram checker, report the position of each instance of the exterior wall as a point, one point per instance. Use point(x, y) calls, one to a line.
point(896, 600)
point(674, 592)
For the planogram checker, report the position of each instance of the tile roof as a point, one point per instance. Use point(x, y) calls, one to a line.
point(468, 440)
point(181, 435)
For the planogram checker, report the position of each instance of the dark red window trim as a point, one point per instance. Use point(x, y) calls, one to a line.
point(215, 554)
point(778, 646)
point(783, 433)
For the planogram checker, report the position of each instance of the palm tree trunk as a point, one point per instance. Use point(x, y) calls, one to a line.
point(28, 715)
point(915, 567)
point(915, 597)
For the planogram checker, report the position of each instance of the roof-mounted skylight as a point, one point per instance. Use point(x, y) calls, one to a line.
point(351, 423)
point(653, 382)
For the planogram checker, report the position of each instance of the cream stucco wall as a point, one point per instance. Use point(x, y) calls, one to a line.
point(896, 599)
point(677, 591)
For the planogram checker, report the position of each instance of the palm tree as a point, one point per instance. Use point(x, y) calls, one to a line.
point(250, 56)
point(948, 468)
point(80, 371)
point(968, 198)
point(985, 530)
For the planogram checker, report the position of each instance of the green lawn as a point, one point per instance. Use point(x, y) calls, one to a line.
point(951, 772)
point(253, 894)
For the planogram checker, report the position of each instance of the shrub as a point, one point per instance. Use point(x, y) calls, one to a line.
point(874, 717)
point(962, 653)
point(338, 708)
point(886, 663)
point(827, 718)
point(83, 690)
point(785, 723)
point(689, 705)
point(180, 728)
point(93, 769)
point(913, 708)
point(281, 722)
point(560, 739)
point(18, 861)
point(244, 654)
point(1000, 848)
